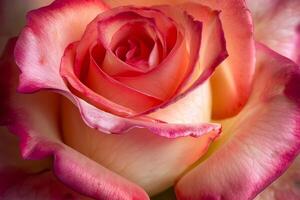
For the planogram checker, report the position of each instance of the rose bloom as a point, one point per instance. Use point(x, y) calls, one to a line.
point(125, 99)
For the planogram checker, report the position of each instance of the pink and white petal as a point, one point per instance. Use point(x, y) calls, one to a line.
point(40, 186)
point(41, 45)
point(109, 123)
point(9, 144)
point(276, 24)
point(151, 161)
point(34, 119)
point(286, 186)
point(259, 143)
point(195, 107)
point(231, 84)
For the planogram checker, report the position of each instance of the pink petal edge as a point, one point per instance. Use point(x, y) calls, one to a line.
point(33, 118)
point(265, 137)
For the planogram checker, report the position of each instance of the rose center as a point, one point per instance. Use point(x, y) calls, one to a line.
point(137, 44)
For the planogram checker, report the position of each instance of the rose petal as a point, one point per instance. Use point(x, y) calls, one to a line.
point(109, 123)
point(210, 39)
point(35, 186)
point(285, 187)
point(34, 119)
point(41, 43)
point(277, 25)
point(193, 108)
point(231, 83)
point(213, 50)
point(259, 143)
point(9, 146)
point(149, 160)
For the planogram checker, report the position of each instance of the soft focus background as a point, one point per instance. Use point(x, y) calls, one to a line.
point(12, 16)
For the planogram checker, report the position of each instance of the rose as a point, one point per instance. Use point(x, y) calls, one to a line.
point(274, 90)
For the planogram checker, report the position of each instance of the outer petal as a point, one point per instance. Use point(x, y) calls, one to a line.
point(259, 143)
point(9, 148)
point(286, 186)
point(149, 160)
point(42, 186)
point(231, 84)
point(277, 24)
point(42, 42)
point(34, 118)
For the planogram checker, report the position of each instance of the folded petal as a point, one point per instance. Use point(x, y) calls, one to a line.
point(149, 160)
point(231, 84)
point(206, 47)
point(276, 24)
point(34, 119)
point(258, 144)
point(195, 107)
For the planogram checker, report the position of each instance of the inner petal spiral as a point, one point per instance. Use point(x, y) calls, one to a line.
point(137, 60)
